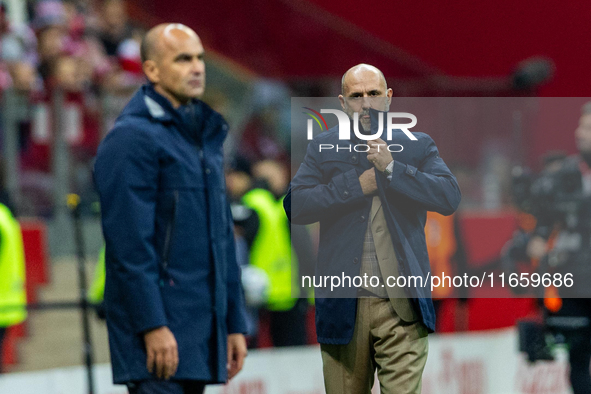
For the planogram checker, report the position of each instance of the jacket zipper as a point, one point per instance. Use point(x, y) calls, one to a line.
point(168, 237)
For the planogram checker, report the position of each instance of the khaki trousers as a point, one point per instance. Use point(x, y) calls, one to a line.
point(382, 341)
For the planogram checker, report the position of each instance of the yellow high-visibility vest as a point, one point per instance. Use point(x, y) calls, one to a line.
point(13, 296)
point(96, 293)
point(271, 249)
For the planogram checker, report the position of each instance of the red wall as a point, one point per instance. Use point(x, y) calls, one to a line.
point(466, 38)
point(484, 38)
point(273, 38)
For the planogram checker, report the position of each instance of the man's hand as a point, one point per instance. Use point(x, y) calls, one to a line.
point(162, 352)
point(368, 182)
point(378, 154)
point(236, 354)
point(536, 247)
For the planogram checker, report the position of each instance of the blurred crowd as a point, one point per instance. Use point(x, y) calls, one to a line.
point(80, 47)
point(76, 45)
point(60, 66)
point(73, 66)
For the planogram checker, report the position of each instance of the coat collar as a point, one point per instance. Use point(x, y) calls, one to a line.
point(149, 103)
point(158, 106)
point(154, 108)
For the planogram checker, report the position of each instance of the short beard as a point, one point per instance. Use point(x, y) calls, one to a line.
point(365, 125)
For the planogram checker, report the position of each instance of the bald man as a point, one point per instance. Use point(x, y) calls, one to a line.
point(372, 207)
point(174, 307)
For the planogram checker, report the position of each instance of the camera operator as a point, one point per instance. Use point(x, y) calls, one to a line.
point(561, 202)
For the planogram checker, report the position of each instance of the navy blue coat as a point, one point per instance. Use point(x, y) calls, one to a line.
point(170, 255)
point(326, 189)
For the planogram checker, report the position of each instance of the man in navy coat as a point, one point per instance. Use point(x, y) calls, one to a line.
point(372, 208)
point(173, 297)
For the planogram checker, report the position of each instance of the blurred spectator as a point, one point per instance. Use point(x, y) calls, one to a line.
point(69, 74)
point(259, 140)
point(246, 224)
point(267, 133)
point(115, 26)
point(50, 26)
point(238, 178)
point(271, 251)
point(61, 31)
point(128, 53)
point(447, 256)
point(18, 43)
point(127, 71)
point(24, 77)
point(84, 45)
point(17, 54)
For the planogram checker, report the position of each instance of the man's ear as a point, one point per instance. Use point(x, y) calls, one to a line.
point(151, 70)
point(389, 99)
point(342, 100)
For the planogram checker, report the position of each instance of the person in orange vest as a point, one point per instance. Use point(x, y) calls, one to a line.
point(447, 256)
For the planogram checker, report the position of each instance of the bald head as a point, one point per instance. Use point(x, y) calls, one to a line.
point(361, 71)
point(159, 37)
point(364, 87)
point(172, 59)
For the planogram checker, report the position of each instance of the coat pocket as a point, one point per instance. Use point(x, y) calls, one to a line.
point(335, 163)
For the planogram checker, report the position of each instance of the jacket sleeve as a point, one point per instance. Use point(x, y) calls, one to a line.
point(432, 184)
point(126, 176)
point(310, 200)
point(236, 318)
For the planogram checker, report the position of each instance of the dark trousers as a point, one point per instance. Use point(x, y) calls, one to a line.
point(2, 334)
point(166, 387)
point(289, 328)
point(579, 343)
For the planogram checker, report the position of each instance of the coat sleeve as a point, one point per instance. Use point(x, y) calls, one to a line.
point(309, 200)
point(126, 176)
point(432, 184)
point(236, 319)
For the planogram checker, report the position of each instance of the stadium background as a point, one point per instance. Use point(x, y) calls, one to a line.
point(260, 53)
